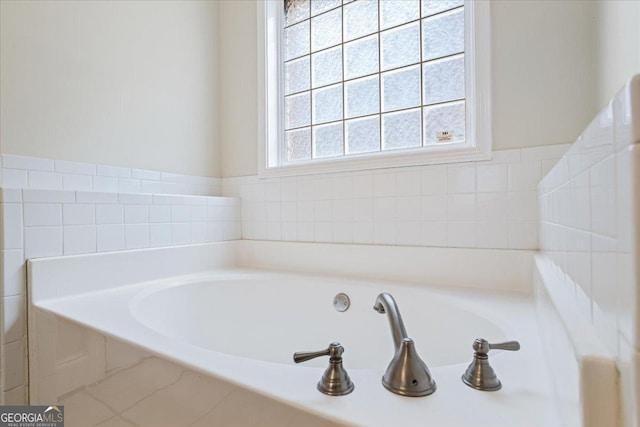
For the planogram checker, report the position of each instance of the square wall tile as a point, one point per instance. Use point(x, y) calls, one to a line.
point(384, 184)
point(492, 234)
point(180, 233)
point(385, 233)
point(80, 239)
point(12, 225)
point(461, 234)
point(524, 176)
point(13, 269)
point(159, 214)
point(110, 237)
point(136, 214)
point(160, 234)
point(492, 207)
point(409, 233)
point(409, 182)
point(363, 232)
point(523, 234)
point(42, 242)
point(136, 236)
point(491, 178)
point(434, 233)
point(461, 179)
point(105, 184)
point(13, 161)
point(461, 207)
point(434, 180)
point(111, 214)
point(79, 214)
point(45, 180)
point(42, 214)
point(363, 186)
point(77, 182)
point(14, 178)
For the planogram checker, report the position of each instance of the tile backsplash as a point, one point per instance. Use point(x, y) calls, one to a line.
point(48, 174)
point(489, 204)
point(58, 208)
point(590, 216)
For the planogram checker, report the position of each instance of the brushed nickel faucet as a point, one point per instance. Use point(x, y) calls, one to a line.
point(335, 381)
point(406, 374)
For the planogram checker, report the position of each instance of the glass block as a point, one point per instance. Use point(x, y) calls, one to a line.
point(327, 67)
point(327, 104)
point(400, 46)
point(296, 75)
point(363, 135)
point(401, 88)
point(362, 97)
point(361, 57)
point(397, 12)
point(298, 144)
point(444, 117)
point(298, 110)
point(319, 6)
point(360, 19)
point(443, 80)
point(296, 40)
point(429, 7)
point(295, 11)
point(401, 129)
point(326, 30)
point(443, 35)
point(327, 140)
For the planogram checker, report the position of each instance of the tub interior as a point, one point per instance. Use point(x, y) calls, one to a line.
point(269, 318)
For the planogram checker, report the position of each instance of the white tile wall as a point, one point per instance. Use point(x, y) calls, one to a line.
point(48, 174)
point(42, 223)
point(590, 217)
point(489, 204)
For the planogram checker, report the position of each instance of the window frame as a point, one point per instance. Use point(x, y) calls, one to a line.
point(478, 137)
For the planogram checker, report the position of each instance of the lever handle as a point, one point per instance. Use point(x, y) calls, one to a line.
point(481, 345)
point(334, 351)
point(507, 345)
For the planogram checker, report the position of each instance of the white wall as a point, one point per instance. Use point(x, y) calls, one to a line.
point(115, 82)
point(542, 58)
point(238, 88)
point(618, 46)
point(542, 63)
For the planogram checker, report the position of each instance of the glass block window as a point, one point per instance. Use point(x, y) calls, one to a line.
point(369, 76)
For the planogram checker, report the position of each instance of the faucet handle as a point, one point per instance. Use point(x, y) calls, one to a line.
point(480, 375)
point(481, 345)
point(334, 351)
point(335, 381)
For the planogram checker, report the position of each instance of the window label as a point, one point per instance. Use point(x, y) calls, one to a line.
point(445, 136)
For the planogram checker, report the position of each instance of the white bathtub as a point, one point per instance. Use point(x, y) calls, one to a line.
point(268, 316)
point(243, 325)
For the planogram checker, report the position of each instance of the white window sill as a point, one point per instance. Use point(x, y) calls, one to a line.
point(436, 155)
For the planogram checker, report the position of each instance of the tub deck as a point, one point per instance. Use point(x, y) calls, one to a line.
point(526, 398)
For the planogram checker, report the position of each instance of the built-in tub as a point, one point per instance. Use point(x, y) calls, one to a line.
point(243, 325)
point(268, 316)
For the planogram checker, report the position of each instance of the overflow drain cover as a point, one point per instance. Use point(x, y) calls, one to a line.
point(341, 302)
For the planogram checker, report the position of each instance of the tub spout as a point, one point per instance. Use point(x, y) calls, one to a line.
point(386, 304)
point(407, 374)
